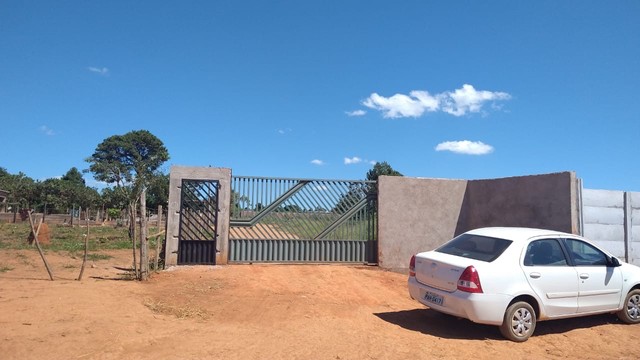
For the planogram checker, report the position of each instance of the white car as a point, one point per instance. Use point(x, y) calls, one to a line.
point(514, 277)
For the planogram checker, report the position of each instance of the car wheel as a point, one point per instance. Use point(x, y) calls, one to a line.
point(519, 322)
point(630, 312)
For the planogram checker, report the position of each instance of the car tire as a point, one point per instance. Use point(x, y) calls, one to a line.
point(519, 322)
point(630, 312)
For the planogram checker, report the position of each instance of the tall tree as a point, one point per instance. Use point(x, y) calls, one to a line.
point(381, 168)
point(74, 176)
point(129, 161)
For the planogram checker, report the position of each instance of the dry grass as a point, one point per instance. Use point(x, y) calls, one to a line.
point(181, 312)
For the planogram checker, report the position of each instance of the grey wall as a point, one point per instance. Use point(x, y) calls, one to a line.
point(540, 201)
point(173, 213)
point(420, 214)
point(612, 220)
point(415, 215)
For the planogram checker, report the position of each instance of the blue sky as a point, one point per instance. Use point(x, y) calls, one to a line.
point(322, 89)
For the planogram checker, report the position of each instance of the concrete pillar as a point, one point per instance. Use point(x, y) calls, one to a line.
point(177, 174)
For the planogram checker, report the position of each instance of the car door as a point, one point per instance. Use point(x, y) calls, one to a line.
point(551, 277)
point(600, 285)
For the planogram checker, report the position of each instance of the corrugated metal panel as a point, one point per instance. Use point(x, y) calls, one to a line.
point(258, 250)
point(196, 252)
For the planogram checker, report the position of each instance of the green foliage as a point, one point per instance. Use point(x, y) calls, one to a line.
point(158, 191)
point(114, 213)
point(128, 160)
point(57, 195)
point(115, 198)
point(21, 189)
point(381, 168)
point(73, 176)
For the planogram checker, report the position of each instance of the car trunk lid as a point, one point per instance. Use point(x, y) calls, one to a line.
point(440, 270)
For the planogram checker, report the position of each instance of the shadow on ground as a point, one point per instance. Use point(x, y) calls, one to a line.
point(441, 325)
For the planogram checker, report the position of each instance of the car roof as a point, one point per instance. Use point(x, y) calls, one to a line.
point(517, 233)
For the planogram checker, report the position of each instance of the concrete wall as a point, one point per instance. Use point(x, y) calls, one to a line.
point(420, 214)
point(540, 201)
point(612, 220)
point(173, 214)
point(415, 215)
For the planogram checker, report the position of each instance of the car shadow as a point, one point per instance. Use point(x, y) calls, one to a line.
point(441, 325)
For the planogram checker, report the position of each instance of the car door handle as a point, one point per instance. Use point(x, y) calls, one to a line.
point(535, 275)
point(584, 276)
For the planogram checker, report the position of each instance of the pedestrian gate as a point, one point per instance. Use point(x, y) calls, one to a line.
point(198, 222)
point(302, 220)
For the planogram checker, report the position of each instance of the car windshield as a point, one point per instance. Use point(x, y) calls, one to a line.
point(475, 247)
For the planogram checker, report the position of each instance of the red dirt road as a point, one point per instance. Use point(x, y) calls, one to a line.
point(257, 312)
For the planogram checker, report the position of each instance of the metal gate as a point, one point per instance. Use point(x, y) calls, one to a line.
point(303, 220)
point(198, 222)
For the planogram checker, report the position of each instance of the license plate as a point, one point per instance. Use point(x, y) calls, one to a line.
point(434, 298)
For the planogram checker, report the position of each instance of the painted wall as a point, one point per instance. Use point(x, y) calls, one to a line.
point(540, 201)
point(420, 214)
point(415, 215)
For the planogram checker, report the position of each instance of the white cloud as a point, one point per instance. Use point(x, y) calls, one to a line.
point(102, 71)
point(356, 113)
point(465, 147)
point(46, 130)
point(400, 105)
point(284, 131)
point(468, 99)
point(317, 162)
point(458, 102)
point(353, 160)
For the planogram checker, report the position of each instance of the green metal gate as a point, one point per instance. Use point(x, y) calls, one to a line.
point(303, 220)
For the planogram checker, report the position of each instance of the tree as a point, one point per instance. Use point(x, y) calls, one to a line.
point(130, 161)
point(59, 195)
point(381, 168)
point(74, 176)
point(21, 188)
point(158, 191)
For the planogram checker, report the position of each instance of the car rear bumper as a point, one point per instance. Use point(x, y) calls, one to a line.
point(479, 308)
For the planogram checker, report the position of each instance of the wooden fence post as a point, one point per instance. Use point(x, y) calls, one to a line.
point(35, 238)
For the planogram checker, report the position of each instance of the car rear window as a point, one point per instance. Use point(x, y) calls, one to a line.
point(475, 247)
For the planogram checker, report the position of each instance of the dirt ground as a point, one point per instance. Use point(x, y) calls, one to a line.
point(257, 312)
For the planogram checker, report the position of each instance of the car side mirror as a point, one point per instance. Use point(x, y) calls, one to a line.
point(613, 261)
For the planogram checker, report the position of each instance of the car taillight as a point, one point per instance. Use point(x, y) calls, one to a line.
point(469, 281)
point(412, 266)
